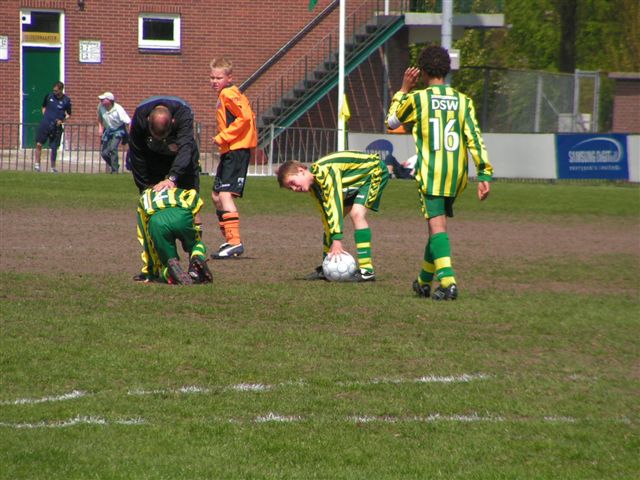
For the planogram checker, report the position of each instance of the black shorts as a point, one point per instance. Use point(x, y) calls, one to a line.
point(189, 182)
point(49, 132)
point(231, 175)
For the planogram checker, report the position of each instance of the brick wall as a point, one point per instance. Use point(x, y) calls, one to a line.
point(365, 89)
point(626, 106)
point(10, 69)
point(245, 31)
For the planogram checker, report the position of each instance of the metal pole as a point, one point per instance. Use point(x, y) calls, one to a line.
point(595, 125)
point(536, 123)
point(385, 82)
point(385, 72)
point(576, 100)
point(272, 132)
point(447, 17)
point(341, 121)
point(447, 20)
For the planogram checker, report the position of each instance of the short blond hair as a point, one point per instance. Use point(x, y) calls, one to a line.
point(289, 167)
point(222, 63)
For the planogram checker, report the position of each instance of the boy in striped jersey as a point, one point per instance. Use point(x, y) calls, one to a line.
point(341, 183)
point(163, 218)
point(446, 132)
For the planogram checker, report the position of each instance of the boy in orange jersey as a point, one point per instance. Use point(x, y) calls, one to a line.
point(236, 137)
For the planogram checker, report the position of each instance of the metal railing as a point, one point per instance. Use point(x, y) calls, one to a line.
point(79, 150)
point(302, 69)
point(303, 144)
point(289, 45)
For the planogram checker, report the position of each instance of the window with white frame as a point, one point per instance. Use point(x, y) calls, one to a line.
point(159, 31)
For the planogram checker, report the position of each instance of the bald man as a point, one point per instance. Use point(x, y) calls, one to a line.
point(163, 150)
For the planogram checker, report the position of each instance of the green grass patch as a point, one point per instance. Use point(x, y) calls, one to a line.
point(535, 378)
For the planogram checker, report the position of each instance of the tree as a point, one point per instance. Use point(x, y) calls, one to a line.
point(568, 18)
point(560, 35)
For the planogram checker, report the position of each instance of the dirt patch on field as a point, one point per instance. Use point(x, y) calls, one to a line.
point(281, 248)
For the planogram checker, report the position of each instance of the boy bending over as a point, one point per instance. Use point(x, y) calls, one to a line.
point(342, 183)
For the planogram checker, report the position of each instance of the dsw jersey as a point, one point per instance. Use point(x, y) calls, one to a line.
point(445, 131)
point(152, 202)
point(339, 176)
point(169, 201)
point(235, 120)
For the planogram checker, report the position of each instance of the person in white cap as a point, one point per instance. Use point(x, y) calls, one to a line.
point(113, 126)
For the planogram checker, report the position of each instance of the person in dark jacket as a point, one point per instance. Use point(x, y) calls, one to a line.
point(162, 146)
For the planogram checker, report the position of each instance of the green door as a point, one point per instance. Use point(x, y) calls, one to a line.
point(41, 69)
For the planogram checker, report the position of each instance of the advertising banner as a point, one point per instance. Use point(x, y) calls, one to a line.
point(592, 156)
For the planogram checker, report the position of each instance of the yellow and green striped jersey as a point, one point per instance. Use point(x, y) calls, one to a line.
point(446, 132)
point(339, 175)
point(151, 202)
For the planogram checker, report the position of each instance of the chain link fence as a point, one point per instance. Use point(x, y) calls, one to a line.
point(519, 101)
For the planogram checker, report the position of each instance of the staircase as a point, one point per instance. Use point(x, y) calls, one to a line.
point(316, 73)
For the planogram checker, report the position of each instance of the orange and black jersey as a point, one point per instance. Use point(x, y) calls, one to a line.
point(235, 120)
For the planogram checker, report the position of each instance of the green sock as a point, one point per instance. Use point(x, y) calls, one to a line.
point(363, 248)
point(326, 243)
point(199, 250)
point(426, 272)
point(441, 254)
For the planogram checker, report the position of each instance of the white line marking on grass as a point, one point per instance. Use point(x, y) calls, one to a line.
point(193, 389)
point(239, 387)
point(560, 419)
point(185, 390)
point(250, 387)
point(434, 417)
point(141, 391)
point(262, 387)
point(77, 420)
point(464, 378)
point(57, 398)
point(274, 417)
point(474, 417)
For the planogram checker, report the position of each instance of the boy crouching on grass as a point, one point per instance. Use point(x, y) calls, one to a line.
point(342, 183)
point(163, 218)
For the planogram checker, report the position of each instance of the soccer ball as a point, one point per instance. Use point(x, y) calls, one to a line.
point(339, 268)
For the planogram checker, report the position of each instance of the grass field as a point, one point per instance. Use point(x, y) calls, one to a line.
point(533, 373)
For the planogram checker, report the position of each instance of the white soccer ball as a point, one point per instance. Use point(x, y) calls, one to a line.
point(339, 268)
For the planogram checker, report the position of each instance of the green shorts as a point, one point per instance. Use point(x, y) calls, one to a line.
point(168, 226)
point(434, 206)
point(370, 194)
